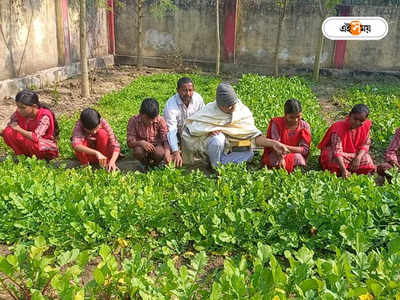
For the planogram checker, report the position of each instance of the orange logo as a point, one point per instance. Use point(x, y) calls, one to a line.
point(355, 27)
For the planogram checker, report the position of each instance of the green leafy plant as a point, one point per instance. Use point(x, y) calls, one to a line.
point(29, 273)
point(305, 235)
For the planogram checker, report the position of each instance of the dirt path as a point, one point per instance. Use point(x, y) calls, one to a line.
point(329, 88)
point(327, 109)
point(326, 90)
point(64, 97)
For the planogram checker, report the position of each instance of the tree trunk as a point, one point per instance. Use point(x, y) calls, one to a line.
point(60, 34)
point(83, 48)
point(323, 12)
point(139, 34)
point(317, 63)
point(10, 42)
point(217, 66)
point(282, 14)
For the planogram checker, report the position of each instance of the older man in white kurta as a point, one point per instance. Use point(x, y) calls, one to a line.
point(177, 109)
point(220, 128)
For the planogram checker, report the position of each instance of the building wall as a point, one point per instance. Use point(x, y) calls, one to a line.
point(30, 34)
point(257, 31)
point(190, 33)
point(376, 55)
point(97, 38)
point(30, 37)
point(29, 44)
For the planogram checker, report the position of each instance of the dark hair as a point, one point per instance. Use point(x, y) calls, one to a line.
point(149, 108)
point(30, 98)
point(90, 118)
point(183, 81)
point(292, 106)
point(360, 108)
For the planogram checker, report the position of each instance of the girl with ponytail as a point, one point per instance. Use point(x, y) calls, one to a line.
point(33, 128)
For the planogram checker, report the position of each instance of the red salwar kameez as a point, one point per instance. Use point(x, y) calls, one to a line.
point(43, 143)
point(342, 140)
point(299, 137)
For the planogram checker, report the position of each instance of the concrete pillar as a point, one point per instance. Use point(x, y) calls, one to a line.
point(110, 23)
point(340, 46)
point(230, 20)
point(66, 33)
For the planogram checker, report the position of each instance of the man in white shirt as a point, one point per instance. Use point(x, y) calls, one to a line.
point(177, 109)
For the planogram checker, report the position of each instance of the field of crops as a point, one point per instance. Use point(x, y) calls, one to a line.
point(174, 234)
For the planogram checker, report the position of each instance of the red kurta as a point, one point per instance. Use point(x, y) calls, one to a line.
point(342, 140)
point(301, 136)
point(43, 145)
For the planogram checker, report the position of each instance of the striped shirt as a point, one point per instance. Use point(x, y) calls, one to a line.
point(79, 135)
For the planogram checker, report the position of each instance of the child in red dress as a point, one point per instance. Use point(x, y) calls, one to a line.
point(33, 128)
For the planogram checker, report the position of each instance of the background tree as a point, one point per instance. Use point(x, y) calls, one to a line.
point(10, 14)
point(158, 9)
point(325, 9)
point(102, 4)
point(83, 50)
point(139, 34)
point(217, 65)
point(282, 5)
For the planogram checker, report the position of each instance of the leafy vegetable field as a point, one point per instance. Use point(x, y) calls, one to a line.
point(173, 234)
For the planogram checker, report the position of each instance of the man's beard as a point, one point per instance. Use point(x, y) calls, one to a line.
point(186, 100)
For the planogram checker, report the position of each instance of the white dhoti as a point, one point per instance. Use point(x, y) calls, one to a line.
point(215, 151)
point(235, 127)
